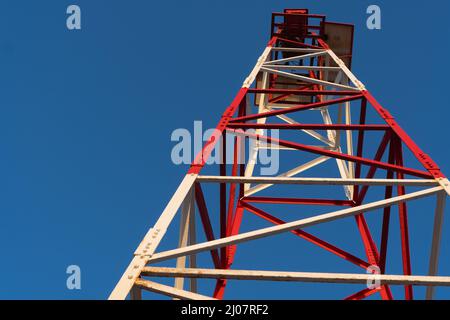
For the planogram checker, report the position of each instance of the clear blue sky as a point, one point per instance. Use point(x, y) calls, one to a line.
point(86, 118)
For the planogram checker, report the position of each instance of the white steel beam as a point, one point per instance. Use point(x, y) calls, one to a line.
point(312, 133)
point(307, 79)
point(187, 214)
point(290, 276)
point(320, 181)
point(252, 76)
point(289, 173)
point(301, 57)
point(306, 50)
point(346, 70)
point(436, 243)
point(299, 224)
point(152, 240)
point(170, 291)
point(282, 66)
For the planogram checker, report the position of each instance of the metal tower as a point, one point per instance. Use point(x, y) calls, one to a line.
point(327, 121)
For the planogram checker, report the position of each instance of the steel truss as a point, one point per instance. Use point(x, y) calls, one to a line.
point(297, 73)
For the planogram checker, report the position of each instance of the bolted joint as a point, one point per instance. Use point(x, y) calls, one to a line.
point(147, 246)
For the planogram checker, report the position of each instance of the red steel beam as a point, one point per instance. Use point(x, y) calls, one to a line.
point(305, 92)
point(338, 155)
point(310, 126)
point(300, 201)
point(403, 217)
point(206, 222)
point(301, 44)
point(362, 294)
point(386, 213)
point(296, 108)
point(379, 154)
point(371, 251)
point(204, 154)
point(423, 158)
point(321, 243)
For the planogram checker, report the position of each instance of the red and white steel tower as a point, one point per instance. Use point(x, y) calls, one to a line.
point(303, 74)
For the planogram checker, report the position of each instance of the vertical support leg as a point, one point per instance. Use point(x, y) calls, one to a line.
point(262, 107)
point(223, 195)
point(206, 222)
point(135, 293)
point(221, 283)
point(348, 120)
point(386, 212)
point(152, 240)
point(404, 230)
point(360, 144)
point(435, 246)
point(186, 215)
point(192, 241)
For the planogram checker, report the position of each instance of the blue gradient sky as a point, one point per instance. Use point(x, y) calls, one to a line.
point(86, 118)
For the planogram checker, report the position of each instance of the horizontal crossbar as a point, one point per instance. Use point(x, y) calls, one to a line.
point(319, 181)
point(295, 276)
